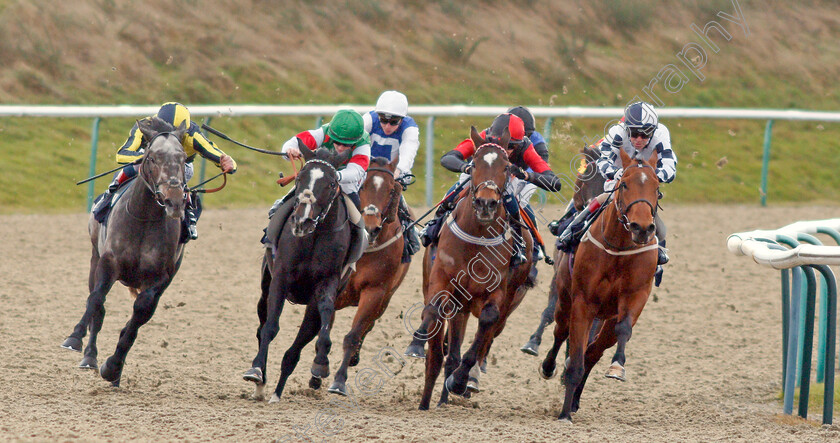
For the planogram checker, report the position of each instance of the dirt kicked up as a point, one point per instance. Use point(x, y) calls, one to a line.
point(704, 363)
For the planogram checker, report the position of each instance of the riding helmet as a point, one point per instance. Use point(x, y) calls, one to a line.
point(514, 125)
point(346, 127)
point(527, 118)
point(174, 113)
point(392, 103)
point(642, 117)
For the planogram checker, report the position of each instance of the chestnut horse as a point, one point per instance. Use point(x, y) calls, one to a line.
point(611, 280)
point(379, 272)
point(588, 185)
point(470, 273)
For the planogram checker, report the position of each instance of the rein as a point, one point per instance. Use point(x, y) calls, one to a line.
point(142, 172)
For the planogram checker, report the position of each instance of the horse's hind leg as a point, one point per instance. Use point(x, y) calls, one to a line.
point(457, 330)
point(366, 314)
point(100, 282)
point(423, 333)
point(256, 374)
point(326, 309)
point(144, 308)
point(547, 317)
point(308, 330)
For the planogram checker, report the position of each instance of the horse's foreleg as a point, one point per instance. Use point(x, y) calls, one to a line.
point(144, 308)
point(102, 274)
point(532, 347)
point(308, 330)
point(269, 326)
point(604, 340)
point(434, 359)
point(457, 382)
point(455, 337)
point(580, 323)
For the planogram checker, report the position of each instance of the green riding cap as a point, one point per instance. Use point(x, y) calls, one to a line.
point(346, 127)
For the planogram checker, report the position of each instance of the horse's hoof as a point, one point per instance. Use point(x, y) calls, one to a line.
point(88, 363)
point(274, 398)
point(616, 371)
point(545, 376)
point(452, 387)
point(320, 371)
point(338, 388)
point(564, 420)
point(259, 392)
point(255, 375)
point(73, 344)
point(531, 348)
point(354, 360)
point(483, 367)
point(423, 408)
point(110, 373)
point(472, 385)
point(415, 351)
point(315, 383)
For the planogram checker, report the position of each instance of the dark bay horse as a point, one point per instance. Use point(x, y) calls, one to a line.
point(311, 252)
point(611, 280)
point(470, 274)
point(137, 245)
point(588, 185)
point(379, 272)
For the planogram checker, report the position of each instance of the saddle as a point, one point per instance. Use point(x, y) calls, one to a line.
point(103, 203)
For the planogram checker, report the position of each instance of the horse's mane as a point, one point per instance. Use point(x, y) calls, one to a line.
point(379, 161)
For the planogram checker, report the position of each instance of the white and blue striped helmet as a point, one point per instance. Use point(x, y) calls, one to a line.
point(640, 117)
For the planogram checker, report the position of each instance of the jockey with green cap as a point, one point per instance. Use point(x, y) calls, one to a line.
point(193, 142)
point(345, 131)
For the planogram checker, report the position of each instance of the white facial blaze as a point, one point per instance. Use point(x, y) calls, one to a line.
point(378, 181)
point(643, 178)
point(306, 196)
point(490, 157)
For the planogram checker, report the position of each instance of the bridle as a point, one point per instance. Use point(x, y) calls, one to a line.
point(622, 210)
point(154, 188)
point(489, 184)
point(390, 208)
point(332, 198)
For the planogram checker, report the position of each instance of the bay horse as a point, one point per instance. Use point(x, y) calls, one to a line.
point(311, 253)
point(471, 274)
point(611, 280)
point(379, 272)
point(138, 245)
point(588, 185)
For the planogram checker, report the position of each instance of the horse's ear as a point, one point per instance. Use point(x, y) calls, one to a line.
point(394, 161)
point(625, 158)
point(181, 131)
point(654, 158)
point(305, 152)
point(476, 138)
point(145, 127)
point(505, 141)
point(340, 159)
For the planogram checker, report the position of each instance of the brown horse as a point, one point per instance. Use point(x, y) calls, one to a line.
point(470, 273)
point(379, 272)
point(588, 185)
point(611, 280)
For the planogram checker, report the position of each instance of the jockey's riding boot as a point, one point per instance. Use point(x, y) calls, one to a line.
point(191, 219)
point(412, 239)
point(518, 256)
point(657, 277)
point(556, 227)
point(565, 240)
point(359, 237)
point(663, 254)
point(279, 202)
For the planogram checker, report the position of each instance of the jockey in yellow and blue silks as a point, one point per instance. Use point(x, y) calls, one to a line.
point(194, 143)
point(394, 134)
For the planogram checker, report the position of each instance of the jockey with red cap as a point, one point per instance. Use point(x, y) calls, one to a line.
point(522, 156)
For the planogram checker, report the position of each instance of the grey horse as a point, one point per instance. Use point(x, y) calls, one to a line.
point(138, 245)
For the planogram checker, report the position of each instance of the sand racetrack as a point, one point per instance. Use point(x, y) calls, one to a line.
point(704, 363)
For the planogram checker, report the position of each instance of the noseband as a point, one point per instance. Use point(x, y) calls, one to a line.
point(332, 198)
point(622, 211)
point(154, 188)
